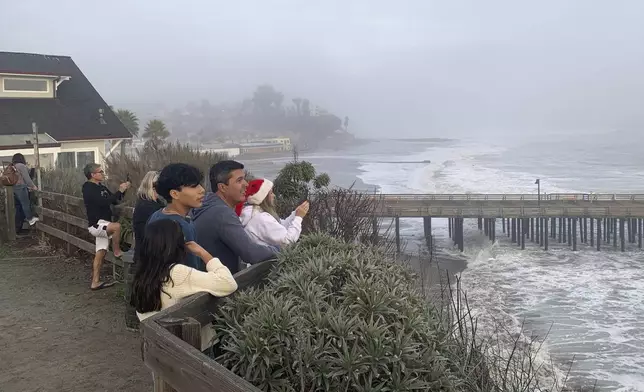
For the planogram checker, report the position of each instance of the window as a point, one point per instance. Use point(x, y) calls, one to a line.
point(66, 160)
point(70, 160)
point(83, 158)
point(28, 85)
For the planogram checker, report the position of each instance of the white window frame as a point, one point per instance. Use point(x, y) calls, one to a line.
point(94, 150)
point(4, 87)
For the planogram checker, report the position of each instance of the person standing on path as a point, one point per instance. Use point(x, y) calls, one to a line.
point(21, 189)
point(219, 229)
point(98, 203)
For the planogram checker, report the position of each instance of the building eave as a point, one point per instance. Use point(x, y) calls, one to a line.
point(29, 146)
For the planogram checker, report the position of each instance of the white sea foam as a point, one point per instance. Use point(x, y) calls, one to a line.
point(594, 301)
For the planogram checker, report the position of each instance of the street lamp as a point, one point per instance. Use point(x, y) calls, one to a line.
point(538, 182)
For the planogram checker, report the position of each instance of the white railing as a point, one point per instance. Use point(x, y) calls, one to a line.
point(514, 197)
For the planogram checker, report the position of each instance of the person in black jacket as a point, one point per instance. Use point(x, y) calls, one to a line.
point(147, 204)
point(98, 202)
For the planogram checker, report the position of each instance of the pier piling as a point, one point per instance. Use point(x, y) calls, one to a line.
point(398, 234)
point(545, 234)
point(514, 230)
point(574, 233)
point(622, 235)
point(427, 223)
point(599, 233)
point(614, 231)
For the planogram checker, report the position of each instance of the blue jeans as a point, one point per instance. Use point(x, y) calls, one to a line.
point(21, 195)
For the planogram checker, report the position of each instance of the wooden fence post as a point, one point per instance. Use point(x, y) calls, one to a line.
point(67, 225)
point(10, 213)
point(188, 330)
point(131, 319)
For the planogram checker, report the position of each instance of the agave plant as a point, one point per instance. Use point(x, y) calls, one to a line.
point(335, 316)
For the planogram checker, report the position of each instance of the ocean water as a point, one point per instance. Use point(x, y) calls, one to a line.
point(589, 304)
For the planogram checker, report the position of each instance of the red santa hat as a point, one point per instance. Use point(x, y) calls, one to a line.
point(256, 192)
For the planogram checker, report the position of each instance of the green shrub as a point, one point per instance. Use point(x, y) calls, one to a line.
point(335, 316)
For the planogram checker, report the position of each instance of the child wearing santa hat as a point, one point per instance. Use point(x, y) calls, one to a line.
point(260, 220)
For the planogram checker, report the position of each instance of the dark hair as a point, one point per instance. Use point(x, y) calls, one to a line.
point(89, 169)
point(163, 246)
point(220, 172)
point(18, 158)
point(175, 176)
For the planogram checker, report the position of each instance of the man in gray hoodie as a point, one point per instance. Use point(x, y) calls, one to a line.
point(218, 227)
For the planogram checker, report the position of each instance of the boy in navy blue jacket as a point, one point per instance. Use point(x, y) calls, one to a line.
point(180, 185)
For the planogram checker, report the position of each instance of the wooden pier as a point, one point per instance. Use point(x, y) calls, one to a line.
point(571, 219)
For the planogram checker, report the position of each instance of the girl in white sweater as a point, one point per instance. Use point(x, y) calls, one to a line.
point(260, 220)
point(161, 280)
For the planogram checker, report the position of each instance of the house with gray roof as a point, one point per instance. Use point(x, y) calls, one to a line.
point(75, 125)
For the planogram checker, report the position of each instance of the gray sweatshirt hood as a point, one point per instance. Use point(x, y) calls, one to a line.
point(211, 200)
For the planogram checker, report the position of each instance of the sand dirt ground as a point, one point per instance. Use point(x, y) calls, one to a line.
point(56, 334)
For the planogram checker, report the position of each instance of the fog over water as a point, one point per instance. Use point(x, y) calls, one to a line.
point(414, 68)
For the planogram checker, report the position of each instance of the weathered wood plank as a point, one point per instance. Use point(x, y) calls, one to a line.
point(61, 197)
point(191, 332)
point(78, 202)
point(63, 217)
point(77, 242)
point(10, 214)
point(201, 306)
point(174, 369)
point(184, 367)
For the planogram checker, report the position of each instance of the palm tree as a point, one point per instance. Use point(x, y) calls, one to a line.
point(129, 119)
point(155, 132)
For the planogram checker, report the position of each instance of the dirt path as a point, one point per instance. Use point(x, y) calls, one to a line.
point(57, 335)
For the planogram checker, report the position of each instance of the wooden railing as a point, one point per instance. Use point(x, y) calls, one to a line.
point(71, 204)
point(172, 343)
point(60, 216)
point(609, 205)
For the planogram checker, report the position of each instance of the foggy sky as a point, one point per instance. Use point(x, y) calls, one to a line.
point(416, 68)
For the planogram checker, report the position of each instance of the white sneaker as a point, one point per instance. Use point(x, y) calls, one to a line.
point(33, 221)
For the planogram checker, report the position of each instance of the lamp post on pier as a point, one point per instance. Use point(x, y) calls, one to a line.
point(538, 182)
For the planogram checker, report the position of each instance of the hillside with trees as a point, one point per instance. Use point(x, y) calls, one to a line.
point(267, 113)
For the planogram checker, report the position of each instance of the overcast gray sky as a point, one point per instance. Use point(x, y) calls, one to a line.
point(416, 68)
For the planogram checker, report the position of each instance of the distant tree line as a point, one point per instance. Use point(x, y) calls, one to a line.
point(265, 113)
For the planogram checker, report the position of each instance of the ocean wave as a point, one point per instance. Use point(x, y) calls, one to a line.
point(593, 301)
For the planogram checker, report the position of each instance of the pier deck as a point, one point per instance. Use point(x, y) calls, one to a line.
point(562, 217)
point(513, 205)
